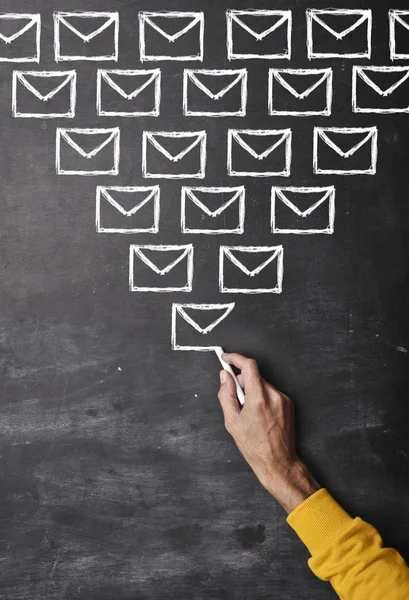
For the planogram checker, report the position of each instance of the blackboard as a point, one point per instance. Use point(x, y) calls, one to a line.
point(118, 481)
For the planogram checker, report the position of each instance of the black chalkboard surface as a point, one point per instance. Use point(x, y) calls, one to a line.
point(118, 481)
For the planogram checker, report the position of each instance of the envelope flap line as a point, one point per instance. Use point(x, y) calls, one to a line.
point(255, 154)
point(80, 150)
point(373, 85)
point(8, 39)
point(45, 97)
point(338, 150)
point(226, 308)
point(90, 36)
point(120, 91)
point(121, 209)
point(257, 270)
point(216, 96)
point(400, 20)
point(179, 156)
point(263, 34)
point(218, 211)
point(308, 211)
point(340, 35)
point(187, 251)
point(300, 95)
point(175, 36)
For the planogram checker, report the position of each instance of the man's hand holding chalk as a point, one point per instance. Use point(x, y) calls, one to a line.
point(264, 432)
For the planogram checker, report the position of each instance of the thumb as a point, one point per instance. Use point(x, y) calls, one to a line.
point(227, 396)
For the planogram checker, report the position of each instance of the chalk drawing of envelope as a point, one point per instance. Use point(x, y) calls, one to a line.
point(128, 209)
point(264, 34)
point(86, 36)
point(171, 35)
point(236, 276)
point(288, 217)
point(300, 92)
point(354, 153)
point(174, 154)
point(20, 37)
point(202, 318)
point(399, 34)
point(333, 33)
point(87, 151)
point(259, 153)
point(128, 93)
point(161, 268)
point(213, 210)
point(44, 94)
point(382, 88)
point(215, 93)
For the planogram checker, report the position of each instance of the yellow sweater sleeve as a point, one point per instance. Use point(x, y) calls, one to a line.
point(348, 552)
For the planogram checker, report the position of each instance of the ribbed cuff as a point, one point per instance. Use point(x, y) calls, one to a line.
point(319, 520)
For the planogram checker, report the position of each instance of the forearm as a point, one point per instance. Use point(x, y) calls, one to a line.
point(291, 486)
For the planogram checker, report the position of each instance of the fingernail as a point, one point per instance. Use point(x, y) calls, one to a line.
point(225, 356)
point(222, 377)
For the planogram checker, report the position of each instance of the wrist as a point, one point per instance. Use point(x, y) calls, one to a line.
point(293, 486)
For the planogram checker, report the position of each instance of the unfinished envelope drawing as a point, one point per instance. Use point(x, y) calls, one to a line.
point(71, 43)
point(278, 81)
point(368, 146)
point(179, 314)
point(142, 101)
point(245, 40)
point(214, 220)
point(157, 43)
point(275, 259)
point(398, 29)
point(104, 141)
point(275, 160)
point(336, 42)
point(176, 165)
point(387, 97)
point(207, 102)
point(145, 202)
point(324, 196)
point(13, 48)
point(29, 102)
point(142, 255)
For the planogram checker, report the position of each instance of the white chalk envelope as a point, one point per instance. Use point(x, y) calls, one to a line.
point(259, 34)
point(87, 152)
point(300, 92)
point(380, 90)
point(171, 35)
point(160, 268)
point(128, 93)
point(128, 209)
point(345, 150)
point(213, 210)
point(259, 153)
point(251, 269)
point(303, 210)
point(44, 94)
point(20, 37)
point(86, 36)
point(339, 33)
point(200, 326)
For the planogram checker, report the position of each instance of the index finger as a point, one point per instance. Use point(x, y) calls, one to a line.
point(248, 367)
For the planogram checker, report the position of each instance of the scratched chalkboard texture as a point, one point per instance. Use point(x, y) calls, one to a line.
point(117, 478)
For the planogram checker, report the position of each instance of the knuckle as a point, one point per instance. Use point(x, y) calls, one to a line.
point(252, 364)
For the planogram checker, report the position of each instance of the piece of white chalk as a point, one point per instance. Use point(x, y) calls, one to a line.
point(240, 394)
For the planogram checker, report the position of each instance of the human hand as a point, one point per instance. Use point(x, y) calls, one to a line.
point(264, 432)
